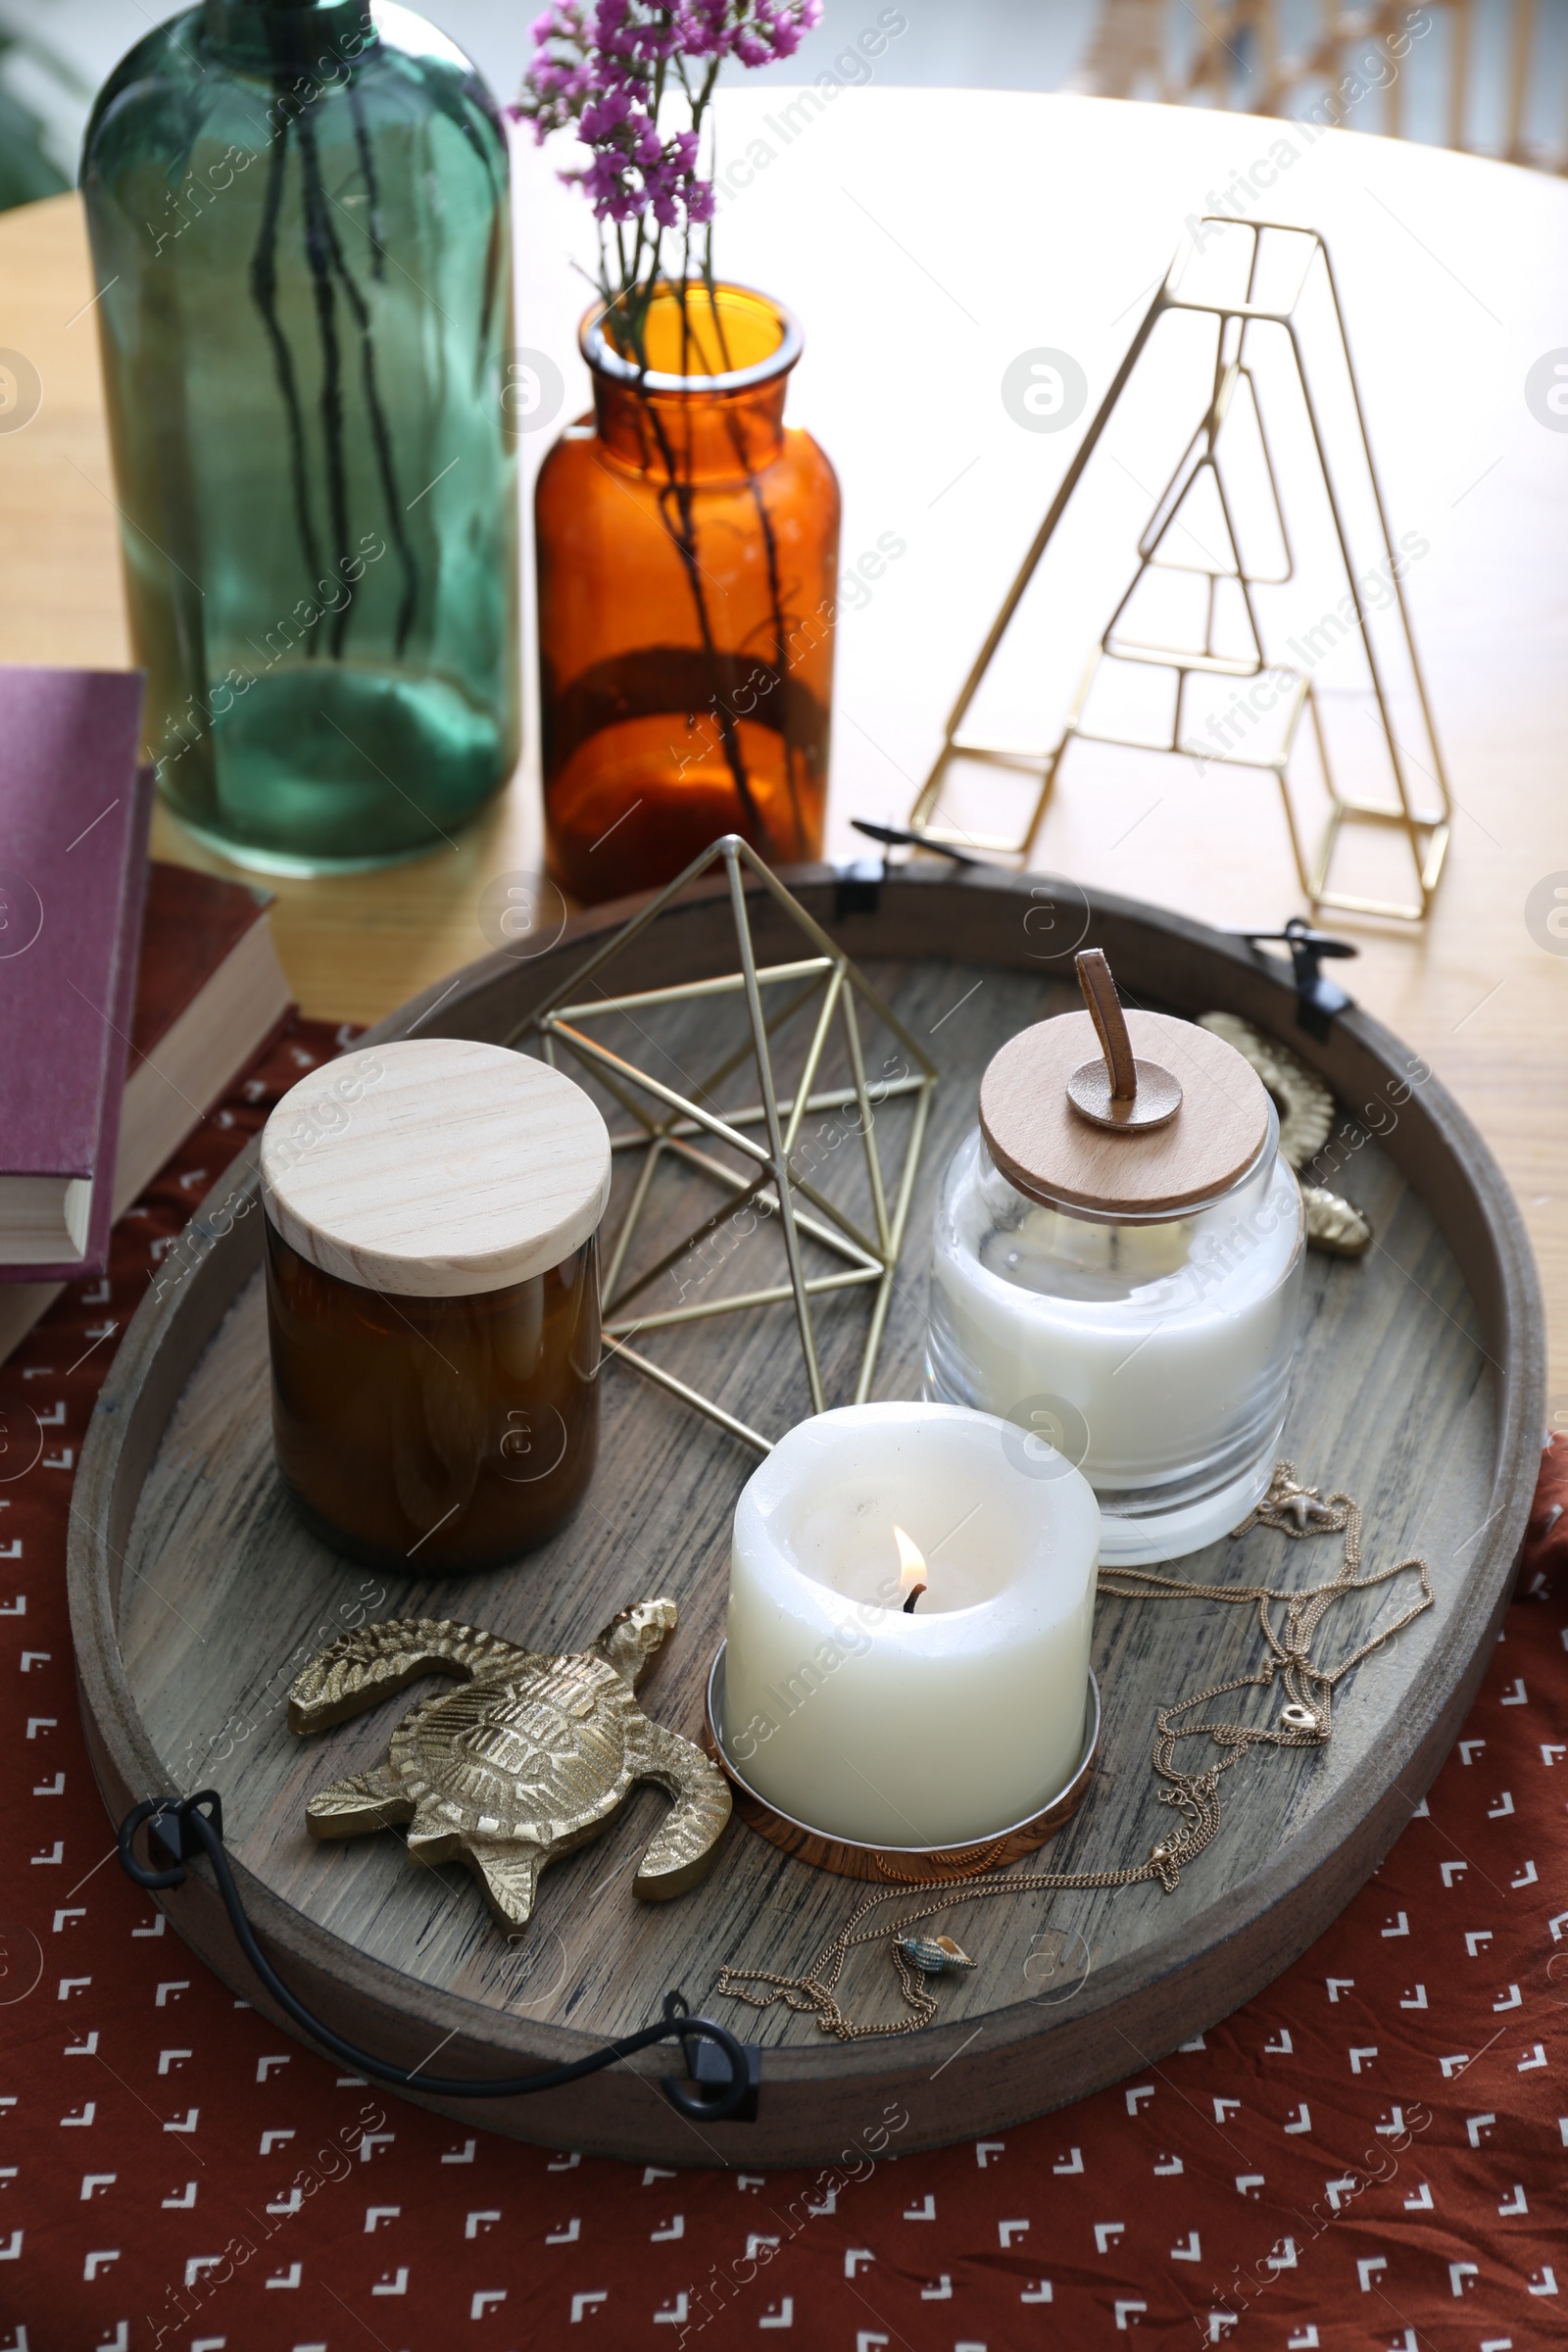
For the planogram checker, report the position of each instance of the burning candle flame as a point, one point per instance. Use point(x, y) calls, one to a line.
point(912, 1570)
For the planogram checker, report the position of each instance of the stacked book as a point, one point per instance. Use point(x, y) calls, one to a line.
point(131, 994)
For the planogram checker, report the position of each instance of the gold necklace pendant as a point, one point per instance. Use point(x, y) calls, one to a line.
point(933, 1955)
point(1292, 1508)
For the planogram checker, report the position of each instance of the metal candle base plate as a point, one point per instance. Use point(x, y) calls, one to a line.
point(892, 1863)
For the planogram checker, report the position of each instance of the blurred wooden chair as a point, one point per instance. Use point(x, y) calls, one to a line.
point(1239, 54)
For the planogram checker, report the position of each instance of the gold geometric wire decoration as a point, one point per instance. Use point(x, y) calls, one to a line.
point(666, 1125)
point(1424, 822)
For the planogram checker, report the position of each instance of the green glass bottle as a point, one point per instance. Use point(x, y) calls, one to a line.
point(300, 230)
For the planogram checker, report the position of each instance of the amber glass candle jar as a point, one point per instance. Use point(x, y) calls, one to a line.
point(688, 557)
point(432, 1298)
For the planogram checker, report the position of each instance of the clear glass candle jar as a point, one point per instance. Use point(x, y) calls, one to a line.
point(1150, 1351)
point(432, 1295)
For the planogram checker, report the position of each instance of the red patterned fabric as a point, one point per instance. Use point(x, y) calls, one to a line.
point(1371, 2154)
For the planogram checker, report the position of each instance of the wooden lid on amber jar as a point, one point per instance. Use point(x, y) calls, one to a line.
point(435, 1167)
point(1067, 1157)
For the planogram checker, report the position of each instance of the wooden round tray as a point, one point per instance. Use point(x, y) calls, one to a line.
point(196, 1595)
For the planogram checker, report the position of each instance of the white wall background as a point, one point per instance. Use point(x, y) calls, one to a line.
point(998, 44)
point(976, 44)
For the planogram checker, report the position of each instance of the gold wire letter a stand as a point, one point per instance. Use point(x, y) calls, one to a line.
point(667, 1124)
point(1423, 822)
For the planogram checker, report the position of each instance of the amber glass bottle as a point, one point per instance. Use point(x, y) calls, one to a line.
point(688, 553)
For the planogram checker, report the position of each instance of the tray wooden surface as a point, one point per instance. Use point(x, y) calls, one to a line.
point(196, 1595)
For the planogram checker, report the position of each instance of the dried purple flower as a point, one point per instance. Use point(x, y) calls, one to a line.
point(607, 69)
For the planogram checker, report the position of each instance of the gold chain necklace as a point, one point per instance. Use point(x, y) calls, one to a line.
point(1306, 1721)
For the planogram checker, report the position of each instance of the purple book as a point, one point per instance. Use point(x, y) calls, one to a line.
point(73, 819)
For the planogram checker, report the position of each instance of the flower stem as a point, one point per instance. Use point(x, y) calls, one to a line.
point(769, 547)
point(380, 435)
point(678, 493)
point(319, 259)
point(264, 293)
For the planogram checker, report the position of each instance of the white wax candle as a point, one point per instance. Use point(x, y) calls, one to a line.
point(928, 1728)
point(1158, 1356)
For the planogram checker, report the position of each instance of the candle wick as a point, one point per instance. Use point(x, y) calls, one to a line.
point(915, 1591)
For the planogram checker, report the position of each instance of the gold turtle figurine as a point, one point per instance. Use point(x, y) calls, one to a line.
point(534, 1756)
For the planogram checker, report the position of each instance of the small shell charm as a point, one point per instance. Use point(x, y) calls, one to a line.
point(934, 1953)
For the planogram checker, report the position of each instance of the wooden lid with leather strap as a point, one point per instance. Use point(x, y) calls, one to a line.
point(435, 1167)
point(1164, 1120)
